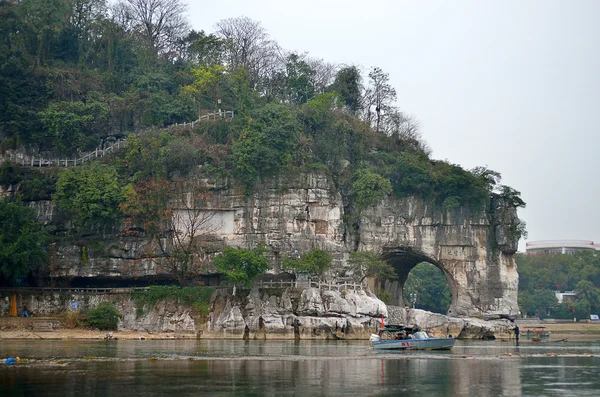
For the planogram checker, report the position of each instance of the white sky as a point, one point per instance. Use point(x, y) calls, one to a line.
point(511, 85)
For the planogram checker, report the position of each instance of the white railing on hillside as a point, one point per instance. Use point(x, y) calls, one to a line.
point(226, 115)
point(72, 290)
point(313, 284)
point(33, 161)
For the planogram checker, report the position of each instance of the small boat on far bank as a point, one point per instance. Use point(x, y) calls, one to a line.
point(535, 334)
point(398, 337)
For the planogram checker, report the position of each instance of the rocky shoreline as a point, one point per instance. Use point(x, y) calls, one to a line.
point(256, 314)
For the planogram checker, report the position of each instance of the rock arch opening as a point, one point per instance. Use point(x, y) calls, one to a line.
point(405, 259)
point(427, 288)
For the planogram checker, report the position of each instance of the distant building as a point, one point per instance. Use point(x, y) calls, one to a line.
point(567, 296)
point(553, 247)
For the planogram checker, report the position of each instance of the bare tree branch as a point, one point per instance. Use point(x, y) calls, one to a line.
point(160, 23)
point(249, 46)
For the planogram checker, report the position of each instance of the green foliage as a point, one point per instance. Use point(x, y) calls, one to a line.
point(317, 113)
point(541, 275)
point(348, 85)
point(430, 286)
point(558, 272)
point(538, 302)
point(196, 297)
point(32, 184)
point(242, 266)
point(451, 203)
point(22, 241)
point(22, 85)
point(368, 264)
point(414, 174)
point(10, 173)
point(315, 262)
point(74, 124)
point(384, 296)
point(266, 144)
point(104, 317)
point(206, 85)
point(299, 75)
point(90, 195)
point(203, 49)
point(180, 157)
point(369, 188)
point(145, 202)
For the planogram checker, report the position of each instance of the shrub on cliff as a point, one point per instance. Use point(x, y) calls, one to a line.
point(266, 144)
point(104, 317)
point(314, 262)
point(90, 195)
point(242, 266)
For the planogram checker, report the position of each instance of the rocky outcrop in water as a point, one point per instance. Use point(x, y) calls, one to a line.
point(439, 325)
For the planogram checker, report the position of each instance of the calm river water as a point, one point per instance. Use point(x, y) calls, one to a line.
point(288, 368)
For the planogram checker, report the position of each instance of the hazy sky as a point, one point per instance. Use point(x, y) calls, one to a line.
point(511, 85)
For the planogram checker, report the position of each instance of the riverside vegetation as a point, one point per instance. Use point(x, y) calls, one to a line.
point(77, 74)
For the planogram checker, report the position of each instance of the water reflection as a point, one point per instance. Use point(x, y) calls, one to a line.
point(275, 368)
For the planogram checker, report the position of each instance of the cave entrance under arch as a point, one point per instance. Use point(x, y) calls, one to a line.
point(404, 259)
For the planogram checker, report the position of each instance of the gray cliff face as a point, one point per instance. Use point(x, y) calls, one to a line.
point(292, 216)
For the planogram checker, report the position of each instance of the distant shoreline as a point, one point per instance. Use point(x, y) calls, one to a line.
point(566, 327)
point(569, 330)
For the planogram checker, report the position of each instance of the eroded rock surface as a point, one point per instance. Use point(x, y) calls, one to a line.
point(473, 247)
point(439, 325)
point(307, 313)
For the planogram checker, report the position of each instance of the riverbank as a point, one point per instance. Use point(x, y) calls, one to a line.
point(571, 331)
point(565, 328)
point(24, 328)
point(66, 334)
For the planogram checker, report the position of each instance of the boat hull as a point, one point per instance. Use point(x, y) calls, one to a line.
point(415, 344)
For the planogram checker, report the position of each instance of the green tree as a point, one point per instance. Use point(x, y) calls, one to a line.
point(430, 286)
point(90, 195)
point(44, 19)
point(539, 302)
point(242, 266)
point(75, 125)
point(368, 264)
point(206, 85)
point(299, 75)
point(202, 49)
point(587, 291)
point(22, 241)
point(23, 87)
point(266, 144)
point(145, 202)
point(348, 85)
point(369, 188)
point(104, 317)
point(315, 262)
point(379, 97)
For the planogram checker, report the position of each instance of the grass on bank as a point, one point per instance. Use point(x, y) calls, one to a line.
point(196, 297)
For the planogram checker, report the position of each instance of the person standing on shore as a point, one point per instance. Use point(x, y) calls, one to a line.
point(517, 332)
